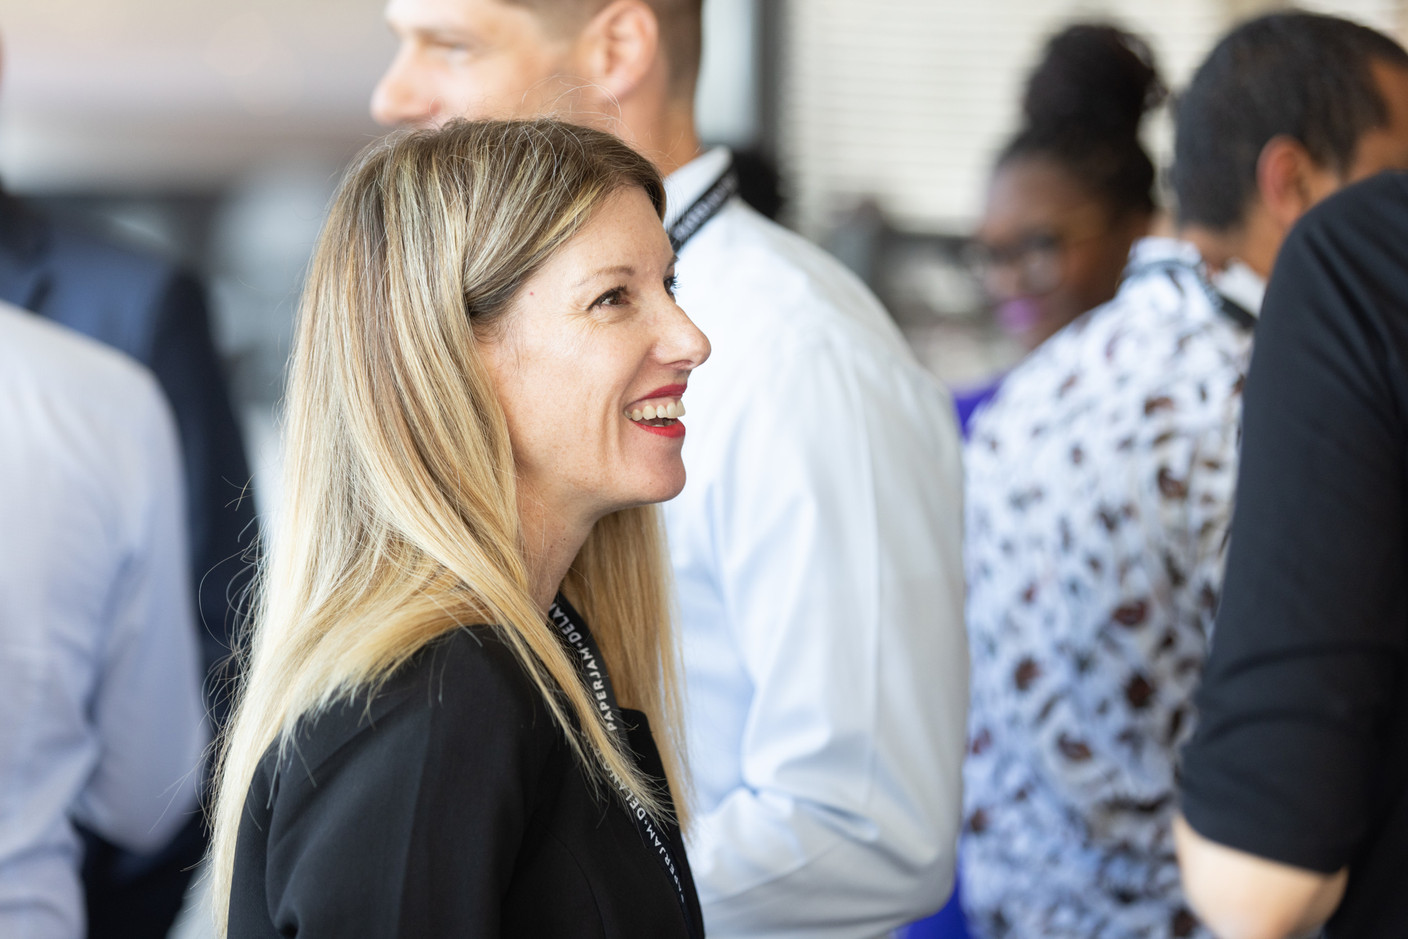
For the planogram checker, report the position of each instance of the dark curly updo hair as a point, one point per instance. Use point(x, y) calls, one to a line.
point(1083, 107)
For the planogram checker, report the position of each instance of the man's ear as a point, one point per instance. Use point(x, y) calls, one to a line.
point(1289, 180)
point(620, 47)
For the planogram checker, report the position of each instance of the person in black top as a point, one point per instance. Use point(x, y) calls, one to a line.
point(1295, 786)
point(484, 402)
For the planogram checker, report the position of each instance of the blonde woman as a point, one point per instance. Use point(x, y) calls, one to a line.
point(484, 402)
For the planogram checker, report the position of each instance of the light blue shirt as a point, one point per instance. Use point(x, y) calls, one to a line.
point(101, 718)
point(817, 553)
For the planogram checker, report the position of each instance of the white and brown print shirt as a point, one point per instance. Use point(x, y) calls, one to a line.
point(1100, 484)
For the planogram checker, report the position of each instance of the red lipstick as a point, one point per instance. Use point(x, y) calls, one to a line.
point(669, 430)
point(664, 391)
point(675, 428)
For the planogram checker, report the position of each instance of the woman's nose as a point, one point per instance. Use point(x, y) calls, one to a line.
point(684, 344)
point(1003, 280)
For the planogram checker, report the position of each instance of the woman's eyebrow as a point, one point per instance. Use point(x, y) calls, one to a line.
point(616, 270)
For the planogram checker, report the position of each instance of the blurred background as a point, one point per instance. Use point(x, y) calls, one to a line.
point(215, 132)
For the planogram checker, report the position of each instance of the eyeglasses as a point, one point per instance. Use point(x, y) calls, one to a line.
point(1032, 263)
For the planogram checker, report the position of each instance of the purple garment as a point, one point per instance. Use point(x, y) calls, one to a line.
point(967, 401)
point(947, 923)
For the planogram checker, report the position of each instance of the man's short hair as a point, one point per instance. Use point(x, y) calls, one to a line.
point(1303, 75)
point(681, 31)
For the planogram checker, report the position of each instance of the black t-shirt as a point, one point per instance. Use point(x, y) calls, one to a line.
point(1301, 753)
point(450, 805)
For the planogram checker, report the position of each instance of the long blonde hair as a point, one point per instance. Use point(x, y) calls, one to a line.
point(400, 519)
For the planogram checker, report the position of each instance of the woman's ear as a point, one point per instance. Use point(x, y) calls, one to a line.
point(620, 47)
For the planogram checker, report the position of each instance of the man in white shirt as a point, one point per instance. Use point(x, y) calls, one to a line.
point(101, 716)
point(816, 545)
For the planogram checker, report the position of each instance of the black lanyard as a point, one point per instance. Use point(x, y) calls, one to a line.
point(575, 635)
point(1220, 301)
point(705, 207)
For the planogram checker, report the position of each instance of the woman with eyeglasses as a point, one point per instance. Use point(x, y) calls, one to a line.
point(1073, 190)
point(1070, 194)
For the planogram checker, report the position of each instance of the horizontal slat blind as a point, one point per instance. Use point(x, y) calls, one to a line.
point(906, 101)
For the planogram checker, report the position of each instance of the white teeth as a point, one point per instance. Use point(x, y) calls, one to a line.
point(654, 412)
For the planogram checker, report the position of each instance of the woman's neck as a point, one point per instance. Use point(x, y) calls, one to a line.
point(551, 541)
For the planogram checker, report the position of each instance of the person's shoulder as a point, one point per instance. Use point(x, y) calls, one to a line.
point(763, 292)
point(1156, 354)
point(73, 244)
point(774, 273)
point(109, 284)
point(66, 366)
point(471, 671)
point(1370, 202)
point(457, 687)
point(1360, 233)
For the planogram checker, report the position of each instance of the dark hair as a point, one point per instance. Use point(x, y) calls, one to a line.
point(1304, 75)
point(1083, 105)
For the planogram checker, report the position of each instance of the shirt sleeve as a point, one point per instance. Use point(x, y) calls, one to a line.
point(147, 707)
point(1309, 648)
point(841, 562)
point(411, 826)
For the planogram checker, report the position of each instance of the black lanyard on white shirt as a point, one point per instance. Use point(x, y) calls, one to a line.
point(704, 208)
point(1219, 300)
point(575, 635)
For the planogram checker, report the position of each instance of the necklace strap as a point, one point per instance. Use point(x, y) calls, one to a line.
point(705, 207)
point(572, 630)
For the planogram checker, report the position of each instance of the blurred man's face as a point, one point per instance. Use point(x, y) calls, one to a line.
point(471, 58)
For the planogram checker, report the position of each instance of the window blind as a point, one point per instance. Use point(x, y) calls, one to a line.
point(906, 101)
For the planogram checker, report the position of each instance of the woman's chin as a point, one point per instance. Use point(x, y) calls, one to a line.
point(651, 494)
point(667, 487)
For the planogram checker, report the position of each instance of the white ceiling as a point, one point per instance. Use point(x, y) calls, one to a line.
point(163, 94)
point(172, 93)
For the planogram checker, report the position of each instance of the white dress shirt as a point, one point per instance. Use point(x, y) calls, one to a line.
point(101, 719)
point(1100, 489)
point(817, 554)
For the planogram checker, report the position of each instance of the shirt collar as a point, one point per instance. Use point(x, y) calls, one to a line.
point(1242, 285)
point(1154, 250)
point(690, 181)
point(1237, 282)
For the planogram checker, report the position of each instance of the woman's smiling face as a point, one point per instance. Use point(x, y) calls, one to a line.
point(590, 364)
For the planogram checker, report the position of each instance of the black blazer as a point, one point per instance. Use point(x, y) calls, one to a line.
point(451, 805)
point(154, 312)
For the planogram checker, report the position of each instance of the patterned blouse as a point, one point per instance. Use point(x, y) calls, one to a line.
point(1100, 484)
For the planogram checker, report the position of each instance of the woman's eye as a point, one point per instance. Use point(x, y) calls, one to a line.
point(672, 283)
point(613, 297)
